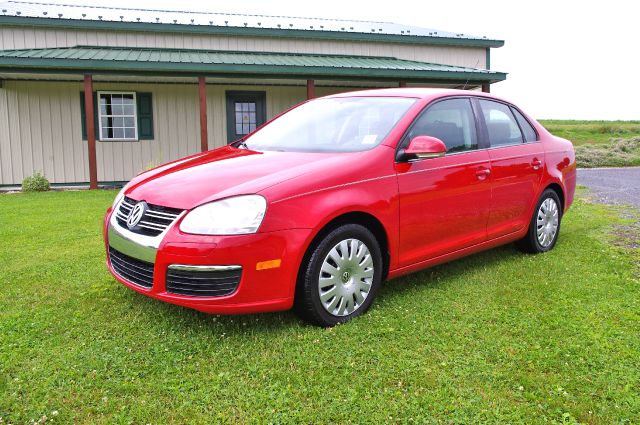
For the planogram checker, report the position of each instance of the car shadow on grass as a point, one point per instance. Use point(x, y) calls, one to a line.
point(444, 273)
point(182, 319)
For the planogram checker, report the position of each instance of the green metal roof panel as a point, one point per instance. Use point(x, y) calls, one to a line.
point(114, 18)
point(206, 62)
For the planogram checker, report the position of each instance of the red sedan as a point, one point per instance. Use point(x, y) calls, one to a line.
point(319, 206)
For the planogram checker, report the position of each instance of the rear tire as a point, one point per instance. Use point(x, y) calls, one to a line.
point(340, 278)
point(544, 226)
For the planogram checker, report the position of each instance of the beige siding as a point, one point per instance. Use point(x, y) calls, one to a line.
point(40, 121)
point(40, 131)
point(40, 128)
point(176, 132)
point(22, 37)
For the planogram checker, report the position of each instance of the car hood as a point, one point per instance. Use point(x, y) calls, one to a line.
point(225, 172)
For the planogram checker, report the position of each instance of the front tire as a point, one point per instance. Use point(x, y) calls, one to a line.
point(544, 226)
point(341, 277)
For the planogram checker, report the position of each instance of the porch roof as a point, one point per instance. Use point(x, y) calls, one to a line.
point(189, 62)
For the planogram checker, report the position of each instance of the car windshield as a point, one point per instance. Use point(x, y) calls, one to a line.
point(343, 124)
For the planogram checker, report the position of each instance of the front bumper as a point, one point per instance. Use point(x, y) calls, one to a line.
point(269, 289)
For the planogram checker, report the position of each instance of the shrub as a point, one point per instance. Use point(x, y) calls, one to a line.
point(35, 183)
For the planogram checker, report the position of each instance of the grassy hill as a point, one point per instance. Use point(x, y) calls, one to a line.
point(592, 132)
point(600, 143)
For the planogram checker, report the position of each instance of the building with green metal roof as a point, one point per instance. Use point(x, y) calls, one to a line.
point(166, 84)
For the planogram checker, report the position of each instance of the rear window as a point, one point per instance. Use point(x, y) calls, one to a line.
point(527, 129)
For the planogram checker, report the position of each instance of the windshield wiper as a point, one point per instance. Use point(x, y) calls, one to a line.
point(240, 143)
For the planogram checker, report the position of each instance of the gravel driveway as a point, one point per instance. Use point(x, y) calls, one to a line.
point(619, 186)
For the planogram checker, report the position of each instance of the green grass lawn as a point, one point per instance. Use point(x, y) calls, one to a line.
point(497, 337)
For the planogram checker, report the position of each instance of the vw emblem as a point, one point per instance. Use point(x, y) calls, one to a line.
point(136, 214)
point(345, 277)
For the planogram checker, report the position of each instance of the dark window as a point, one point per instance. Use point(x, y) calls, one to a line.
point(451, 121)
point(120, 116)
point(527, 129)
point(501, 125)
point(245, 117)
point(246, 111)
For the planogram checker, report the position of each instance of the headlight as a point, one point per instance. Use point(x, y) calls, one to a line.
point(232, 216)
point(119, 196)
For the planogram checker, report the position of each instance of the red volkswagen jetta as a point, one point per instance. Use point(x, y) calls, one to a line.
point(319, 206)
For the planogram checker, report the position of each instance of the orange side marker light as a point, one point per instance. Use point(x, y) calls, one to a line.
point(271, 264)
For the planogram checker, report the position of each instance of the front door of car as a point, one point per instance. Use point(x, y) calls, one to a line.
point(444, 202)
point(246, 111)
point(517, 163)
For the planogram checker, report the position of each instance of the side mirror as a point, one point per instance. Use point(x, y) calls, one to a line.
point(425, 147)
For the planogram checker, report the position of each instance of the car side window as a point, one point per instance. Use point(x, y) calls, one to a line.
point(501, 124)
point(527, 129)
point(451, 121)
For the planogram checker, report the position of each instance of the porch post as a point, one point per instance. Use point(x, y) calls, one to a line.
point(91, 131)
point(485, 88)
point(311, 89)
point(402, 84)
point(202, 93)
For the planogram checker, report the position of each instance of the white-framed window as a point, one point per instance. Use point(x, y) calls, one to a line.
point(117, 116)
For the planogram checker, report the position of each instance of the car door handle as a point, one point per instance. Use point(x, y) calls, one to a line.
point(483, 173)
point(536, 163)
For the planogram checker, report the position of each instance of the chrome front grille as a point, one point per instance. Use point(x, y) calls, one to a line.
point(154, 221)
point(131, 269)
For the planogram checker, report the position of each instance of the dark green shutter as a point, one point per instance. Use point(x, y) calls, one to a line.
point(145, 116)
point(83, 116)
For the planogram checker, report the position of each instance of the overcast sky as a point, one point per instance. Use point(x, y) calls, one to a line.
point(565, 59)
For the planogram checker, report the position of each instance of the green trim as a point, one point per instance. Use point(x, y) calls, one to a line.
point(487, 64)
point(245, 31)
point(492, 78)
point(85, 66)
point(191, 83)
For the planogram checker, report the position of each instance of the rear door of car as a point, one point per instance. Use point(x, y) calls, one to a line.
point(517, 164)
point(444, 202)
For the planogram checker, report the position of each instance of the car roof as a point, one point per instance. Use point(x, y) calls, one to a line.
point(416, 92)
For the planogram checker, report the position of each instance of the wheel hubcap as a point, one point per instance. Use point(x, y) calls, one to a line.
point(346, 277)
point(547, 222)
